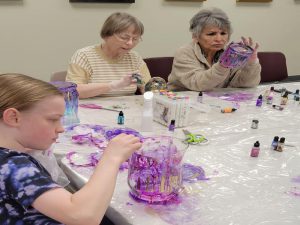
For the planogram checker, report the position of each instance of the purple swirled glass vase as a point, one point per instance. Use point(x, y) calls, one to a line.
point(155, 170)
point(235, 55)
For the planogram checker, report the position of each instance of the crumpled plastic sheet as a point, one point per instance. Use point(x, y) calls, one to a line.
point(239, 189)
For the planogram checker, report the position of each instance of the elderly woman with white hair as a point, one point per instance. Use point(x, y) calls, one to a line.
point(197, 65)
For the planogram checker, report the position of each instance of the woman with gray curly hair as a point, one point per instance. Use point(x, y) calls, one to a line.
point(197, 65)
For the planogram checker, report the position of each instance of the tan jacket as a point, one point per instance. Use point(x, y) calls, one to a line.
point(191, 71)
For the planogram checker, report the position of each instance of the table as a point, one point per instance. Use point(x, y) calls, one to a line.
point(241, 190)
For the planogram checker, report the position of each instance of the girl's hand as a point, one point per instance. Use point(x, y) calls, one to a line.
point(122, 146)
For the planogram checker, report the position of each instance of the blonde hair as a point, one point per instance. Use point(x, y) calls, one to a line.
point(22, 92)
point(119, 22)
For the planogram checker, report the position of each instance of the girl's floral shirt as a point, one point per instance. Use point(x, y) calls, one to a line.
point(22, 180)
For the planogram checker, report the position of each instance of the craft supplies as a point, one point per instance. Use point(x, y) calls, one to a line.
point(228, 110)
point(200, 97)
point(284, 98)
point(280, 144)
point(235, 55)
point(194, 139)
point(255, 149)
point(147, 114)
point(155, 170)
point(254, 124)
point(71, 101)
point(259, 101)
point(278, 107)
point(121, 118)
point(172, 126)
point(274, 143)
point(296, 95)
point(269, 92)
point(168, 106)
point(138, 78)
point(156, 84)
point(270, 96)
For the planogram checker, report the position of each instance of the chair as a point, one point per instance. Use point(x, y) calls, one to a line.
point(160, 66)
point(58, 76)
point(273, 66)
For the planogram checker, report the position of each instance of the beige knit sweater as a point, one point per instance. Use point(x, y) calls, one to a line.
point(191, 71)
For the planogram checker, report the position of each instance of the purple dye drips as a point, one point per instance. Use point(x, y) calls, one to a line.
point(111, 133)
point(191, 173)
point(99, 137)
point(92, 160)
point(295, 191)
point(296, 179)
point(236, 97)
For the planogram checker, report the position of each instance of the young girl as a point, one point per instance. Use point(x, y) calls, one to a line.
point(30, 113)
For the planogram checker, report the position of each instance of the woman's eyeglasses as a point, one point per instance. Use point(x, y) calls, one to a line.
point(126, 38)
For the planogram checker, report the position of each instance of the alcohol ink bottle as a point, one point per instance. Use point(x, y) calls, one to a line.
point(255, 149)
point(280, 144)
point(147, 116)
point(254, 124)
point(121, 118)
point(172, 126)
point(274, 143)
point(200, 97)
point(268, 93)
point(296, 95)
point(270, 100)
point(259, 101)
point(270, 96)
point(284, 98)
point(228, 110)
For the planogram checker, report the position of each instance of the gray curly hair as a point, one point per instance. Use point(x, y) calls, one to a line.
point(209, 17)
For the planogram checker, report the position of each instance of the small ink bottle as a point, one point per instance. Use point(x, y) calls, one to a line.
point(254, 124)
point(172, 126)
point(280, 144)
point(121, 118)
point(270, 96)
point(284, 98)
point(200, 97)
point(268, 93)
point(274, 143)
point(259, 101)
point(296, 95)
point(270, 100)
point(255, 149)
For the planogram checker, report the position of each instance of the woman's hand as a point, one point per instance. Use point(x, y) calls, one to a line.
point(122, 83)
point(248, 41)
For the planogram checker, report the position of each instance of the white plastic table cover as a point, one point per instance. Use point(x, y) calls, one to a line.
point(241, 190)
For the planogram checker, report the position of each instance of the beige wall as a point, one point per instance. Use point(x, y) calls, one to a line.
point(39, 36)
